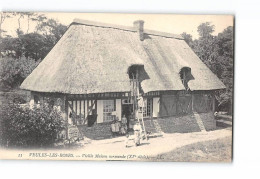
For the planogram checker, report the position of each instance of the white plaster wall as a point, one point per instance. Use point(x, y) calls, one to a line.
point(99, 111)
point(118, 109)
point(31, 102)
point(156, 106)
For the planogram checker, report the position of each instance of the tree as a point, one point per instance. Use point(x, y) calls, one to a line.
point(206, 29)
point(39, 19)
point(187, 38)
point(204, 47)
point(52, 28)
point(30, 16)
point(3, 17)
point(20, 16)
point(14, 71)
point(20, 55)
point(32, 45)
point(225, 50)
point(217, 53)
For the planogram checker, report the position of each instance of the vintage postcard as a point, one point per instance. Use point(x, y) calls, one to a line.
point(130, 87)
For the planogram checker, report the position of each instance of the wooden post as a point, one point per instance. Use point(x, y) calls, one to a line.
point(41, 101)
point(66, 115)
point(137, 82)
point(76, 110)
point(95, 107)
point(213, 102)
point(80, 109)
point(31, 103)
point(84, 111)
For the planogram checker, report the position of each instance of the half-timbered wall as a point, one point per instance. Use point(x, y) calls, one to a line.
point(94, 104)
point(168, 105)
point(76, 108)
point(177, 104)
point(203, 103)
point(79, 109)
point(183, 103)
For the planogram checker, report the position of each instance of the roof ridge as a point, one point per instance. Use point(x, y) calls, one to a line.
point(126, 28)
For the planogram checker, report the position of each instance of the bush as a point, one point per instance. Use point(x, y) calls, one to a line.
point(14, 71)
point(25, 127)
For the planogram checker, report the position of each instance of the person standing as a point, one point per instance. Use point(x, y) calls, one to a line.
point(124, 120)
point(137, 134)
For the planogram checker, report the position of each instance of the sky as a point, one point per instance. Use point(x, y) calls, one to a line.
point(171, 23)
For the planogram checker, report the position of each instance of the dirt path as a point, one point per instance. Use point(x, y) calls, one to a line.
point(114, 149)
point(153, 146)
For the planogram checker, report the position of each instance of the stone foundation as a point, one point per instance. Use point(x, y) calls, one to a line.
point(181, 124)
point(174, 124)
point(97, 131)
point(208, 120)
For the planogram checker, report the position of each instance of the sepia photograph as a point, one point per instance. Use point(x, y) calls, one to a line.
point(116, 87)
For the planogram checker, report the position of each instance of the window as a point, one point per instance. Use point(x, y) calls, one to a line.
point(108, 108)
point(147, 109)
point(185, 75)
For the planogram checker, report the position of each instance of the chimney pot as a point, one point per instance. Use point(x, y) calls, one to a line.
point(139, 26)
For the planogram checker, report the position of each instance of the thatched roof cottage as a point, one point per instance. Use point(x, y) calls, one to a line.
point(90, 71)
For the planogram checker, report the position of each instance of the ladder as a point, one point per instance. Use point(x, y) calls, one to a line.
point(141, 120)
point(134, 83)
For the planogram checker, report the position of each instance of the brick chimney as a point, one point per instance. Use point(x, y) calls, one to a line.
point(139, 26)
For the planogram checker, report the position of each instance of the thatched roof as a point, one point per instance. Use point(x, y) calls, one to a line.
point(94, 57)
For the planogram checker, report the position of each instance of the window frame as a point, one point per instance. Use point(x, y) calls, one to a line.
point(108, 114)
point(148, 113)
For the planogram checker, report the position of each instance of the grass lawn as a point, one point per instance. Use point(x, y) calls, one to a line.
point(209, 151)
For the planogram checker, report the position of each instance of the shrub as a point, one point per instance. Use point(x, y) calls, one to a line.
point(14, 71)
point(25, 127)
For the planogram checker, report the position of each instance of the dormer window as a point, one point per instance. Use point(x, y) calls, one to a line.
point(133, 72)
point(185, 75)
